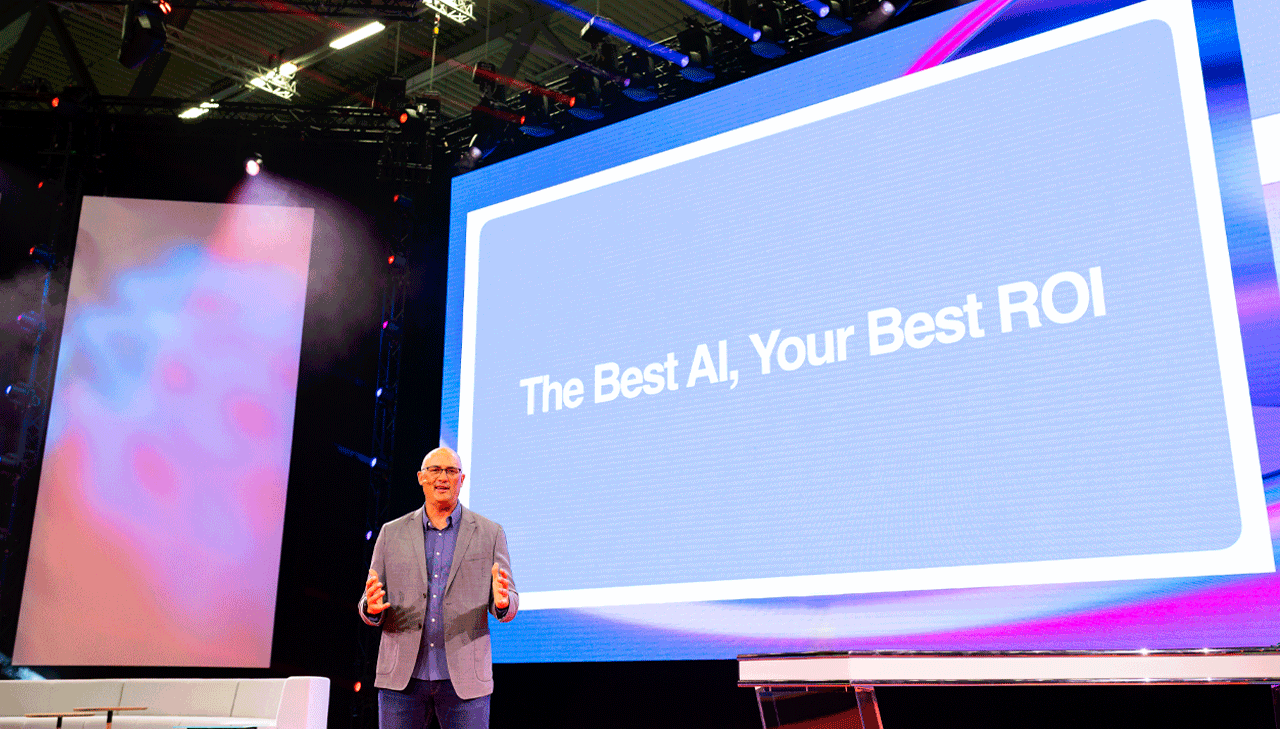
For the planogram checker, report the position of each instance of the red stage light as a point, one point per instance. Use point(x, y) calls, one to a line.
point(165, 7)
point(572, 100)
point(521, 121)
point(404, 117)
point(40, 184)
point(391, 259)
point(32, 252)
point(396, 198)
point(54, 103)
point(357, 686)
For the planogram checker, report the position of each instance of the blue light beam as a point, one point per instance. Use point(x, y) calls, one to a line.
point(618, 31)
point(725, 19)
point(818, 7)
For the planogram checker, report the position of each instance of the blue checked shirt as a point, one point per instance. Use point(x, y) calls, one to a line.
point(439, 545)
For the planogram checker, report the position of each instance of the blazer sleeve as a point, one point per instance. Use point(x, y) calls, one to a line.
point(503, 559)
point(377, 563)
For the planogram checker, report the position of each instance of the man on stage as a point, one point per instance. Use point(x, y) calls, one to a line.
point(437, 574)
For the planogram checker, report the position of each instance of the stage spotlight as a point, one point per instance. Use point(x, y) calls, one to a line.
point(535, 115)
point(485, 75)
point(837, 22)
point(43, 257)
point(196, 112)
point(819, 8)
point(621, 33)
point(357, 35)
point(253, 165)
point(412, 123)
point(73, 101)
point(586, 89)
point(725, 19)
point(143, 33)
point(767, 16)
point(881, 15)
point(490, 127)
point(377, 392)
point(30, 322)
point(367, 536)
point(640, 75)
point(389, 94)
point(695, 42)
point(357, 686)
point(22, 395)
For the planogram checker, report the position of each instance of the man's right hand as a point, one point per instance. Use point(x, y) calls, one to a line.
point(373, 594)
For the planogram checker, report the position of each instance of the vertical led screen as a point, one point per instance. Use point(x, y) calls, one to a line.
point(876, 351)
point(158, 522)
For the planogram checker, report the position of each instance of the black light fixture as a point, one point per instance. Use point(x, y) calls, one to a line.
point(23, 395)
point(880, 15)
point(73, 101)
point(31, 322)
point(142, 35)
point(586, 89)
point(485, 75)
point(639, 70)
point(535, 115)
point(414, 118)
point(696, 43)
point(840, 20)
point(491, 125)
point(43, 256)
point(389, 94)
point(766, 16)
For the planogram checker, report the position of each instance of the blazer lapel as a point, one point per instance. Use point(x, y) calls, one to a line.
point(415, 538)
point(466, 530)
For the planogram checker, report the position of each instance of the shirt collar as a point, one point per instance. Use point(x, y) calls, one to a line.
point(454, 517)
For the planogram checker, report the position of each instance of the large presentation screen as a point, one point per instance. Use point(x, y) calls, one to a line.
point(158, 523)
point(944, 359)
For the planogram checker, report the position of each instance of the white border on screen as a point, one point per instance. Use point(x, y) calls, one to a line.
point(1251, 553)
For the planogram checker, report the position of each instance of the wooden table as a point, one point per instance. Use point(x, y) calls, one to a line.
point(111, 710)
point(58, 715)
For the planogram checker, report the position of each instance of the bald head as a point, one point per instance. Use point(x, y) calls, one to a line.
point(433, 457)
point(440, 487)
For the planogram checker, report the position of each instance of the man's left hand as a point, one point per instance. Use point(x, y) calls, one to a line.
point(501, 587)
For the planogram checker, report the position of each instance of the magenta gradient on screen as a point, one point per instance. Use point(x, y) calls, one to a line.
point(159, 517)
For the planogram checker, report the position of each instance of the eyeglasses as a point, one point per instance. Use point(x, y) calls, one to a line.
point(434, 471)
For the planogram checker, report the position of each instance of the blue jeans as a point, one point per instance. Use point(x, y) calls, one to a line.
point(412, 708)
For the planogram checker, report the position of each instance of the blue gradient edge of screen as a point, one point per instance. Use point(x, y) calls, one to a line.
point(567, 635)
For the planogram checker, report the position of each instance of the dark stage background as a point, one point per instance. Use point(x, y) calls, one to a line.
point(316, 629)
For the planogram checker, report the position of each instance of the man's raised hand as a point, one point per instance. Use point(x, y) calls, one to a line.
point(373, 594)
point(501, 587)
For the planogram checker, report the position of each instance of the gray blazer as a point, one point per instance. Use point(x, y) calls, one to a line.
point(468, 599)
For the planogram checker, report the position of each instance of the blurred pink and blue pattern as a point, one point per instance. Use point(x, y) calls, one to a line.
point(158, 524)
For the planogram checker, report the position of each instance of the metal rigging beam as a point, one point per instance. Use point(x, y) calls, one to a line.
point(356, 122)
point(14, 9)
point(25, 46)
point(418, 75)
point(75, 61)
point(519, 51)
point(383, 9)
